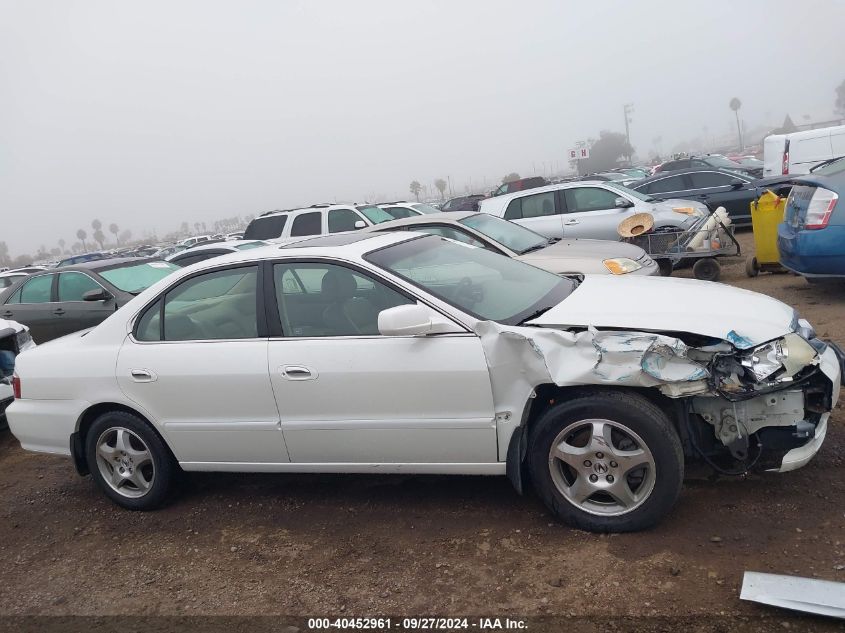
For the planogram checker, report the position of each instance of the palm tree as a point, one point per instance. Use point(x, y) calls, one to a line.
point(81, 234)
point(441, 187)
point(62, 245)
point(96, 225)
point(416, 187)
point(113, 228)
point(100, 238)
point(736, 104)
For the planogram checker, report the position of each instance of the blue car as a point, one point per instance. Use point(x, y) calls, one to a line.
point(811, 238)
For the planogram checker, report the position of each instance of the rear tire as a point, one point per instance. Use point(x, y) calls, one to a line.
point(607, 461)
point(707, 269)
point(129, 461)
point(666, 267)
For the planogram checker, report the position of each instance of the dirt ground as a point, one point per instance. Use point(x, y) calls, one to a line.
point(346, 545)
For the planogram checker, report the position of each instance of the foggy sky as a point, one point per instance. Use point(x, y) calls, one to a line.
point(152, 113)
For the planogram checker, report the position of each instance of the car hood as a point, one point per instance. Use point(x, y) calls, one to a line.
point(5, 324)
point(585, 256)
point(668, 207)
point(665, 304)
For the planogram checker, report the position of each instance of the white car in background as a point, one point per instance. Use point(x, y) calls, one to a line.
point(584, 209)
point(562, 257)
point(202, 252)
point(400, 352)
point(399, 210)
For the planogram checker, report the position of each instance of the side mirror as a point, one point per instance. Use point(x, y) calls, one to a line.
point(414, 320)
point(96, 295)
point(623, 203)
point(360, 224)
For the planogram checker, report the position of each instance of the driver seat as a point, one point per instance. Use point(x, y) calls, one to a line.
point(346, 314)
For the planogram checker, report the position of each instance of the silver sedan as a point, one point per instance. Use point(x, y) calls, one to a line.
point(567, 256)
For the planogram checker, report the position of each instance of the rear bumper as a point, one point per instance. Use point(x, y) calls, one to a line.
point(817, 253)
point(45, 426)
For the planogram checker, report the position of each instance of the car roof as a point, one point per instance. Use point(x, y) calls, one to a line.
point(428, 218)
point(105, 264)
point(687, 170)
point(507, 197)
point(349, 245)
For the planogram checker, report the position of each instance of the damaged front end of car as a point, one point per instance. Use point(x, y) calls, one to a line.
point(14, 338)
point(739, 405)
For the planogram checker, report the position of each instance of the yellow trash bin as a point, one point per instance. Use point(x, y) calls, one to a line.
point(766, 214)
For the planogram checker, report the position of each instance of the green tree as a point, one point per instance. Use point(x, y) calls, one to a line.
point(416, 187)
point(441, 185)
point(606, 152)
point(511, 177)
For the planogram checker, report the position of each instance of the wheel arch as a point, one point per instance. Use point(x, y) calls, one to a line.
point(86, 419)
point(549, 394)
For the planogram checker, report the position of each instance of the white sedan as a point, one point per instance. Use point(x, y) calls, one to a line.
point(412, 353)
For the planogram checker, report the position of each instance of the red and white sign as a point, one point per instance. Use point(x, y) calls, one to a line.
point(579, 153)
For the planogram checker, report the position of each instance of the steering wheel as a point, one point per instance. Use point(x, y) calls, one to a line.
point(469, 290)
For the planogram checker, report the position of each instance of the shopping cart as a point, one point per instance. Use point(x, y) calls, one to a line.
point(710, 238)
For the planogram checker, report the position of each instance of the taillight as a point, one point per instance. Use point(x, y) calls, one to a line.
point(820, 209)
point(16, 386)
point(784, 169)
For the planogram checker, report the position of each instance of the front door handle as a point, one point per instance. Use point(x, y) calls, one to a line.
point(298, 372)
point(58, 311)
point(143, 375)
point(571, 222)
point(8, 314)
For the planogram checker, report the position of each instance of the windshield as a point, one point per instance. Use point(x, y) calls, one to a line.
point(474, 280)
point(376, 215)
point(424, 208)
point(515, 237)
point(249, 245)
point(615, 186)
point(134, 278)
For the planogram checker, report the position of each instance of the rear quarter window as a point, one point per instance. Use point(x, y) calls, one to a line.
point(266, 228)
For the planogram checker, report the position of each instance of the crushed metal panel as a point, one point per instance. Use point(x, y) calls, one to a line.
point(822, 597)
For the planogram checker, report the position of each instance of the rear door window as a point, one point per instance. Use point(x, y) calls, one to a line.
point(36, 290)
point(665, 185)
point(707, 179)
point(307, 224)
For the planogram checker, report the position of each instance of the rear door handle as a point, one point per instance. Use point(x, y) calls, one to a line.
point(571, 222)
point(298, 372)
point(58, 311)
point(8, 314)
point(143, 375)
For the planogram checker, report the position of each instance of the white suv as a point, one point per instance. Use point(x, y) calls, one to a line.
point(318, 219)
point(586, 209)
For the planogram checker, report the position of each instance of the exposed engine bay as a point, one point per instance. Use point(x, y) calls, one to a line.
point(738, 405)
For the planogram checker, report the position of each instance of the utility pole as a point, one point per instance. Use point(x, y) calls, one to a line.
point(629, 108)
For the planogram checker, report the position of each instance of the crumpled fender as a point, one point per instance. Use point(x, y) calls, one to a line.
point(521, 358)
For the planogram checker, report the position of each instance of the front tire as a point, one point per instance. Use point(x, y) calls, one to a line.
point(129, 461)
point(607, 461)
